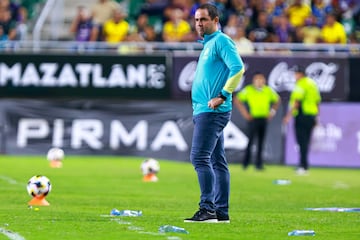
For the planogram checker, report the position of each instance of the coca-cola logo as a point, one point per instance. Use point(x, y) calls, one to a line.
point(281, 78)
point(323, 74)
point(187, 75)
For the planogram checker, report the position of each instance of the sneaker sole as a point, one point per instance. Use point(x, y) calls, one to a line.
point(223, 221)
point(205, 221)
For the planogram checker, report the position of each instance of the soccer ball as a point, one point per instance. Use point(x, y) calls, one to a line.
point(149, 166)
point(55, 154)
point(38, 186)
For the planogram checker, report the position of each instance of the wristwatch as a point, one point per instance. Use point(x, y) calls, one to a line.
point(222, 96)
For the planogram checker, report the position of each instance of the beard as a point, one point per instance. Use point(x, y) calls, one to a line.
point(201, 32)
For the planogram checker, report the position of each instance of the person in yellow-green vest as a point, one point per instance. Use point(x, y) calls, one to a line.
point(304, 107)
point(258, 104)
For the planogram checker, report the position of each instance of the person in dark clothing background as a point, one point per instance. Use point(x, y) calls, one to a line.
point(262, 103)
point(304, 107)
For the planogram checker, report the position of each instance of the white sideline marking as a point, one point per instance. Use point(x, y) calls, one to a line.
point(340, 185)
point(173, 238)
point(11, 235)
point(141, 231)
point(152, 233)
point(133, 228)
point(119, 221)
point(9, 180)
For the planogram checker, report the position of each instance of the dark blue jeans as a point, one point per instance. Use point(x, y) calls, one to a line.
point(208, 157)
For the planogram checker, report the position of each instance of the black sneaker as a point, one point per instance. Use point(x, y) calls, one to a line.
point(222, 218)
point(203, 215)
point(259, 168)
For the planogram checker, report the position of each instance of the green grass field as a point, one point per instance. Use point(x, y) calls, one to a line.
point(87, 188)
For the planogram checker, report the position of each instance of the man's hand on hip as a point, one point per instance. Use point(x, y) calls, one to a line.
point(215, 102)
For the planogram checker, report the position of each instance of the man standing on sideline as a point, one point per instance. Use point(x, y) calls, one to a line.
point(258, 104)
point(304, 107)
point(219, 71)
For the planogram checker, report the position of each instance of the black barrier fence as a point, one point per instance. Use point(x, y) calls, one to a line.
point(331, 74)
point(354, 80)
point(98, 76)
point(159, 129)
point(140, 106)
point(163, 76)
point(163, 130)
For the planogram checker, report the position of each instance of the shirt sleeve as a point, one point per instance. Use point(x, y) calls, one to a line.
point(242, 95)
point(342, 33)
point(233, 61)
point(274, 95)
point(297, 94)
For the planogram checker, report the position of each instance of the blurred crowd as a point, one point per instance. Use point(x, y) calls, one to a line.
point(245, 21)
point(13, 21)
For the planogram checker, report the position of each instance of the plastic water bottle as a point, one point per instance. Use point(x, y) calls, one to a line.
point(169, 228)
point(125, 213)
point(302, 233)
point(282, 182)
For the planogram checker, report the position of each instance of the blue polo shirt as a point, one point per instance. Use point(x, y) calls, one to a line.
point(219, 69)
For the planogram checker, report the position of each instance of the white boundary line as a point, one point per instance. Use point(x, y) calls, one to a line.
point(11, 235)
point(9, 180)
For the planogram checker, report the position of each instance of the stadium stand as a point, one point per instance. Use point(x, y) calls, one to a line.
point(50, 21)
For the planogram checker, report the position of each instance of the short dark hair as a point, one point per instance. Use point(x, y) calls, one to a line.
point(258, 73)
point(212, 10)
point(298, 69)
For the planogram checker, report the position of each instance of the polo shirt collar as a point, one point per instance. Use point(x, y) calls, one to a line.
point(207, 37)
